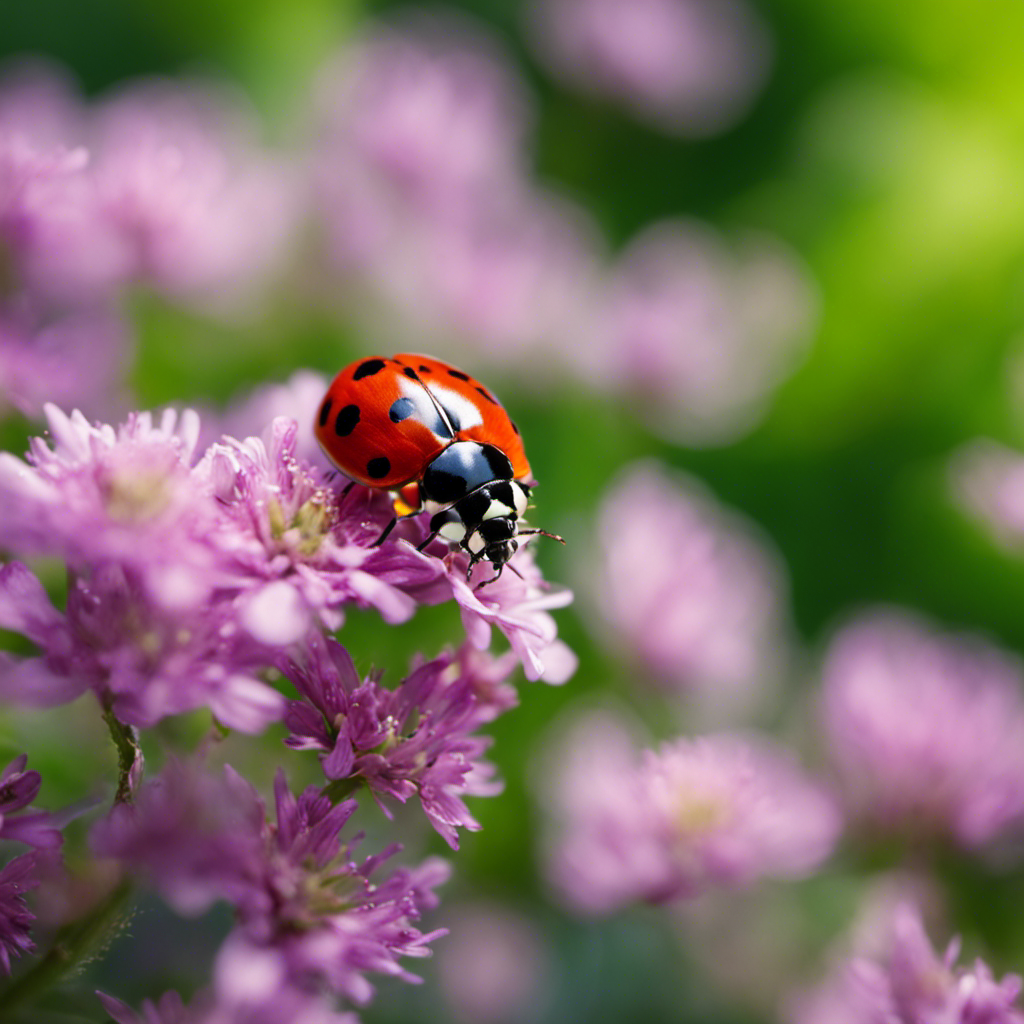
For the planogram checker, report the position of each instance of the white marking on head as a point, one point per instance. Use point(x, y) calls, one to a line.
point(496, 509)
point(453, 531)
point(475, 543)
point(520, 498)
point(432, 506)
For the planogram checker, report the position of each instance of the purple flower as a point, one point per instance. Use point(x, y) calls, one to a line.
point(16, 878)
point(906, 982)
point(493, 966)
point(144, 661)
point(690, 67)
point(988, 481)
point(415, 740)
point(518, 606)
point(698, 334)
point(75, 359)
point(718, 810)
point(99, 495)
point(301, 549)
point(708, 619)
point(248, 416)
point(305, 909)
point(199, 211)
point(421, 177)
point(280, 1005)
point(18, 788)
point(54, 238)
point(430, 111)
point(925, 730)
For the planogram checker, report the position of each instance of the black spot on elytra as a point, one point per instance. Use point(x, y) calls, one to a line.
point(458, 375)
point(425, 369)
point(410, 372)
point(514, 427)
point(401, 409)
point(325, 412)
point(490, 398)
point(378, 468)
point(346, 420)
point(368, 368)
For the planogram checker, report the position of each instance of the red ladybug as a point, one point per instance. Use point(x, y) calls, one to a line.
point(440, 440)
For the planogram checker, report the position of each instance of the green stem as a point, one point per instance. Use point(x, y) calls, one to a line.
point(341, 788)
point(129, 756)
point(73, 947)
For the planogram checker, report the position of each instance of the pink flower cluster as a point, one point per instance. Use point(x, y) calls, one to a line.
point(194, 578)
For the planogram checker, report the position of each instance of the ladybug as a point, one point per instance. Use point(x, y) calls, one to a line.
point(440, 441)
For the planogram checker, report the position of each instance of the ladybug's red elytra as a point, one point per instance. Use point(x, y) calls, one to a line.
point(438, 439)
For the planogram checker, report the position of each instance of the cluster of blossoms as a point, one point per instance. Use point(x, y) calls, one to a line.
point(36, 829)
point(900, 979)
point(194, 578)
point(310, 918)
point(160, 185)
point(719, 810)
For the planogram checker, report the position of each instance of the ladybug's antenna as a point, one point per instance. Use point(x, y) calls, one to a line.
point(543, 533)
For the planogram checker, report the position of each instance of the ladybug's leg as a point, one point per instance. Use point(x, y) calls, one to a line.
point(430, 537)
point(384, 536)
point(495, 577)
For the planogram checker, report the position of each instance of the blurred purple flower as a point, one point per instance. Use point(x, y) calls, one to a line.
point(492, 967)
point(282, 1005)
point(16, 878)
point(306, 911)
point(718, 810)
point(687, 588)
point(54, 240)
point(249, 415)
point(906, 982)
point(429, 109)
point(988, 481)
point(925, 730)
point(144, 661)
point(199, 210)
point(415, 740)
point(75, 360)
point(421, 176)
point(689, 67)
point(698, 334)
